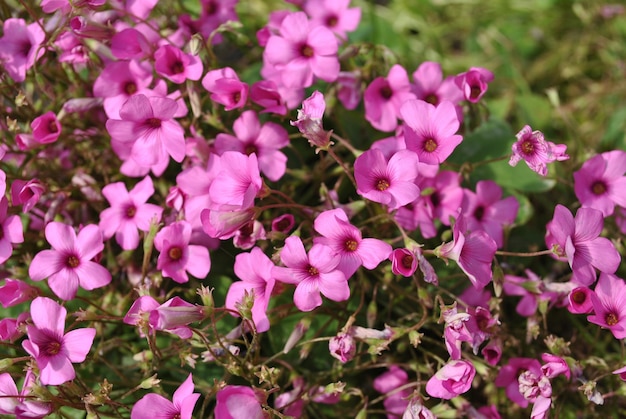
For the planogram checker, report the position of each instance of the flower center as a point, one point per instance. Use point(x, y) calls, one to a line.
point(131, 210)
point(177, 67)
point(331, 21)
point(154, 122)
point(312, 270)
point(435, 199)
point(24, 48)
point(598, 187)
point(407, 261)
point(306, 51)
point(72, 261)
point(432, 99)
point(479, 213)
point(175, 253)
point(51, 348)
point(130, 88)
point(430, 145)
point(250, 148)
point(528, 147)
point(474, 92)
point(579, 297)
point(52, 127)
point(350, 245)
point(386, 92)
point(611, 319)
point(236, 97)
point(210, 8)
point(382, 184)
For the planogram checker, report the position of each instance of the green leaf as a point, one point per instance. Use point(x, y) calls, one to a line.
point(519, 178)
point(492, 139)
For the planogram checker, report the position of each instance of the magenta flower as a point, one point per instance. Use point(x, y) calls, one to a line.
point(430, 86)
point(349, 89)
point(177, 256)
point(451, 380)
point(486, 211)
point(334, 14)
point(23, 404)
point(128, 212)
point(255, 271)
point(390, 182)
point(396, 402)
point(346, 241)
point(26, 193)
point(129, 44)
point(313, 273)
point(578, 240)
point(225, 224)
point(236, 183)
point(175, 65)
point(535, 151)
point(69, 263)
point(14, 292)
point(148, 128)
point(265, 93)
point(474, 83)
point(430, 131)
point(238, 402)
point(46, 128)
point(309, 121)
point(226, 88)
point(283, 223)
point(53, 349)
point(403, 262)
point(601, 182)
point(120, 80)
point(11, 229)
point(508, 377)
point(20, 47)
point(174, 315)
point(152, 406)
point(609, 305)
point(384, 98)
point(302, 51)
point(342, 347)
point(579, 300)
point(263, 140)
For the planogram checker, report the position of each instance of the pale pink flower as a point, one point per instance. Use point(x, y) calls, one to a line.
point(309, 121)
point(239, 402)
point(347, 242)
point(226, 88)
point(224, 224)
point(69, 263)
point(430, 131)
point(609, 305)
point(237, 182)
point(430, 86)
point(53, 349)
point(177, 256)
point(174, 315)
point(342, 347)
point(396, 402)
point(349, 89)
point(11, 229)
point(20, 47)
point(384, 98)
point(508, 377)
point(128, 212)
point(265, 93)
point(152, 406)
point(474, 83)
point(175, 65)
point(601, 182)
point(23, 404)
point(535, 151)
point(14, 292)
point(334, 14)
point(451, 380)
point(313, 274)
point(390, 182)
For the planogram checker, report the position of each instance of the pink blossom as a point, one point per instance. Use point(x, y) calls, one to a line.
point(396, 401)
point(384, 98)
point(313, 274)
point(69, 263)
point(621, 372)
point(554, 366)
point(138, 9)
point(578, 239)
point(255, 271)
point(302, 51)
point(430, 86)
point(238, 402)
point(263, 140)
point(403, 262)
point(474, 83)
point(174, 315)
point(53, 349)
point(225, 224)
point(601, 182)
point(226, 88)
point(508, 377)
point(535, 151)
point(177, 256)
point(237, 182)
point(129, 44)
point(455, 331)
point(451, 380)
point(175, 65)
point(390, 182)
point(20, 47)
point(349, 89)
point(430, 131)
point(23, 404)
point(265, 93)
point(247, 236)
point(309, 121)
point(13, 329)
point(118, 81)
point(486, 211)
point(11, 229)
point(26, 193)
point(609, 305)
point(291, 401)
point(128, 212)
point(46, 128)
point(14, 292)
point(214, 13)
point(346, 241)
point(334, 14)
point(579, 300)
point(492, 352)
point(342, 347)
point(147, 127)
point(283, 223)
point(153, 406)
point(530, 289)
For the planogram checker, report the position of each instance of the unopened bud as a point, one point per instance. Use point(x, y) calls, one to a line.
point(149, 383)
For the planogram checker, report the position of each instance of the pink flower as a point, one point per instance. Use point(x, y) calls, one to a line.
point(396, 401)
point(342, 347)
point(130, 44)
point(601, 182)
point(20, 47)
point(334, 14)
point(255, 271)
point(46, 128)
point(120, 80)
point(403, 262)
point(451, 380)
point(474, 82)
point(174, 315)
point(26, 193)
point(128, 212)
point(384, 98)
point(237, 182)
point(148, 127)
point(53, 349)
point(23, 404)
point(302, 51)
point(224, 224)
point(283, 223)
point(263, 140)
point(578, 239)
point(430, 131)
point(226, 88)
point(535, 151)
point(11, 229)
point(152, 406)
point(390, 182)
point(349, 89)
point(529, 289)
point(508, 377)
point(609, 305)
point(346, 241)
point(486, 211)
point(265, 93)
point(238, 402)
point(621, 372)
point(579, 300)
point(430, 86)
point(176, 66)
point(177, 256)
point(69, 263)
point(14, 292)
point(313, 273)
point(309, 121)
